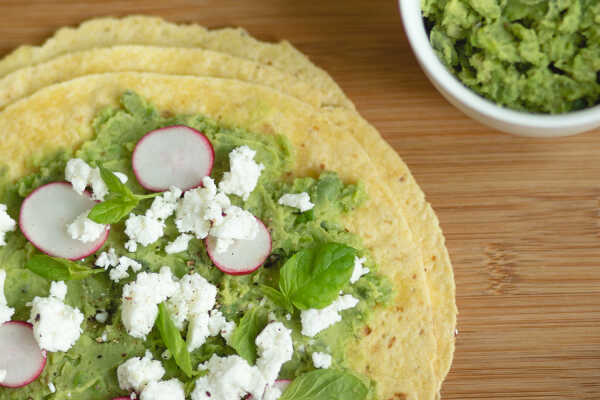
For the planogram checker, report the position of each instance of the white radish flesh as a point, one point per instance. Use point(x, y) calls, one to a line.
point(44, 217)
point(172, 156)
point(20, 354)
point(243, 256)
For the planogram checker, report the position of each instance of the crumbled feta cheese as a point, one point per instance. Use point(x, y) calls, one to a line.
point(77, 172)
point(228, 378)
point(51, 387)
point(301, 201)
point(314, 320)
point(58, 290)
point(172, 389)
point(102, 317)
point(243, 173)
point(84, 229)
point(99, 188)
point(3, 373)
point(359, 270)
point(120, 270)
point(143, 229)
point(136, 373)
point(274, 348)
point(122, 177)
point(199, 208)
point(272, 393)
point(56, 326)
point(130, 246)
point(321, 360)
point(104, 336)
point(218, 325)
point(197, 331)
point(107, 259)
point(7, 224)
point(195, 295)
point(237, 224)
point(141, 299)
point(164, 205)
point(6, 312)
point(179, 244)
point(133, 396)
point(288, 316)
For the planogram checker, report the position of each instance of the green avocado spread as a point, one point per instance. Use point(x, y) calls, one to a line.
point(532, 55)
point(88, 370)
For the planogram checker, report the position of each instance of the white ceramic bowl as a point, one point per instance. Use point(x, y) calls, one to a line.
point(475, 106)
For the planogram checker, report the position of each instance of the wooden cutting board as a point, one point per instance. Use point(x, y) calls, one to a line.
point(521, 216)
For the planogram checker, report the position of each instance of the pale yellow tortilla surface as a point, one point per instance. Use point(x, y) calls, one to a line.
point(202, 62)
point(397, 352)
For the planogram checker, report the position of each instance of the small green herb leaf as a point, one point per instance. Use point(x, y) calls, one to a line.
point(313, 277)
point(173, 340)
point(113, 210)
point(244, 336)
point(277, 297)
point(325, 384)
point(114, 184)
point(59, 269)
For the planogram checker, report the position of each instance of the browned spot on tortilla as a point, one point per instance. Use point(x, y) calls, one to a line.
point(401, 179)
point(399, 396)
point(368, 330)
point(322, 166)
point(399, 309)
point(414, 276)
point(421, 332)
point(433, 258)
point(391, 342)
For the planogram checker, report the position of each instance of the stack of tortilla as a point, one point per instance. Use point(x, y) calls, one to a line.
point(50, 94)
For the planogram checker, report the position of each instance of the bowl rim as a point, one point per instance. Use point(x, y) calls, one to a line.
point(414, 27)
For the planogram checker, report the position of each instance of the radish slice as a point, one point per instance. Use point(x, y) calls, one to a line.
point(243, 256)
point(173, 156)
point(20, 354)
point(44, 217)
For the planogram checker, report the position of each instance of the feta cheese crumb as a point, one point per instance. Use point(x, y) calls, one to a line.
point(51, 387)
point(179, 244)
point(237, 224)
point(107, 259)
point(194, 295)
point(199, 208)
point(301, 201)
point(3, 373)
point(321, 360)
point(288, 316)
point(218, 325)
point(272, 393)
point(243, 173)
point(122, 177)
point(120, 270)
point(7, 224)
point(314, 320)
point(84, 229)
point(133, 396)
point(164, 205)
point(6, 312)
point(104, 336)
point(56, 326)
point(143, 229)
point(99, 188)
point(102, 317)
point(228, 378)
point(136, 373)
point(359, 270)
point(141, 299)
point(77, 172)
point(58, 290)
point(130, 246)
point(274, 348)
point(172, 389)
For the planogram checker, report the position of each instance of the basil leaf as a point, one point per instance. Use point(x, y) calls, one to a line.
point(277, 297)
point(313, 277)
point(325, 384)
point(59, 269)
point(113, 183)
point(244, 336)
point(113, 210)
point(173, 340)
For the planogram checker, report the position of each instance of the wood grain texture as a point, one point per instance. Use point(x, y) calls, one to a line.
point(521, 216)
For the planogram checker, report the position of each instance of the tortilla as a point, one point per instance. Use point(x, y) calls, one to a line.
point(195, 61)
point(397, 352)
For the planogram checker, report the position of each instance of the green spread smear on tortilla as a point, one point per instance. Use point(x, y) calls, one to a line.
point(531, 55)
point(88, 370)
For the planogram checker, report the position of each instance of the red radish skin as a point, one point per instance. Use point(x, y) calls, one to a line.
point(242, 247)
point(20, 354)
point(175, 155)
point(44, 217)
